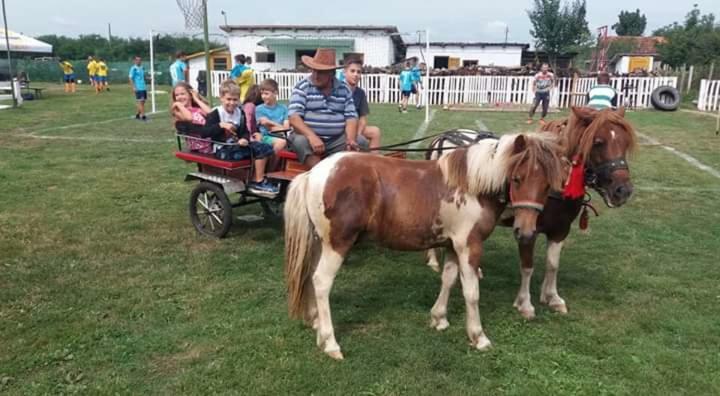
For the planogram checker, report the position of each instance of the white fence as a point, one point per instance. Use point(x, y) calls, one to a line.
point(385, 88)
point(709, 99)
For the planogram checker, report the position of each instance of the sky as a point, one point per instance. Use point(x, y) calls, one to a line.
point(447, 20)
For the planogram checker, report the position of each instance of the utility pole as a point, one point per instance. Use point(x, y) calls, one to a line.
point(109, 35)
point(507, 30)
point(9, 58)
point(208, 72)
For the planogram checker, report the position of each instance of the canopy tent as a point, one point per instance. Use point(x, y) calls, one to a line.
point(24, 44)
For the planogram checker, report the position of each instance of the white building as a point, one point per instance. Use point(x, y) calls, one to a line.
point(279, 47)
point(452, 55)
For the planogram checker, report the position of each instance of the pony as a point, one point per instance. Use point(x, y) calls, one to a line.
point(598, 142)
point(461, 195)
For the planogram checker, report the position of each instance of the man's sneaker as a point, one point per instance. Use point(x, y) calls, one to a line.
point(404, 111)
point(263, 189)
point(137, 116)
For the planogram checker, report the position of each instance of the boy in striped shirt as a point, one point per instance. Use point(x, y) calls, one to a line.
point(602, 96)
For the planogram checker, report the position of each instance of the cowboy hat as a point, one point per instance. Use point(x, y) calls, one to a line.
point(324, 59)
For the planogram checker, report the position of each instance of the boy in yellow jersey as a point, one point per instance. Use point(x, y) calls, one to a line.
point(92, 70)
point(102, 73)
point(68, 75)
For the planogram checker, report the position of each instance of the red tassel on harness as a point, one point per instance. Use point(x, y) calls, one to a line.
point(584, 220)
point(575, 186)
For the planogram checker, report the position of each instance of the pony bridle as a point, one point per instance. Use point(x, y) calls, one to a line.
point(524, 204)
point(603, 171)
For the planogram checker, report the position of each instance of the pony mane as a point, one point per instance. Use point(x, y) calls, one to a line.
point(581, 136)
point(484, 167)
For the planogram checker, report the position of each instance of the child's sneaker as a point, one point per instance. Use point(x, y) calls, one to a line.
point(263, 189)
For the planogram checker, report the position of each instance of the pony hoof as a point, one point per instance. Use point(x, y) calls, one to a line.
point(434, 266)
point(439, 324)
point(528, 314)
point(336, 355)
point(483, 344)
point(480, 274)
point(559, 308)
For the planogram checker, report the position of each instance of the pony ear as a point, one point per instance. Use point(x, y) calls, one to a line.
point(621, 111)
point(520, 144)
point(583, 113)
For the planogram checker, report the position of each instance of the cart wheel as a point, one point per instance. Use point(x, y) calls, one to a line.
point(272, 209)
point(210, 210)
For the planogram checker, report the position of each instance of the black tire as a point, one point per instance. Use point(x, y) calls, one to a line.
point(665, 98)
point(210, 210)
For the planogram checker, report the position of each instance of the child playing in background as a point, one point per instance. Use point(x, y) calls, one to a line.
point(406, 87)
point(68, 76)
point(102, 76)
point(271, 116)
point(252, 99)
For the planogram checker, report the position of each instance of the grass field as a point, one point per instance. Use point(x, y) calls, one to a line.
point(105, 288)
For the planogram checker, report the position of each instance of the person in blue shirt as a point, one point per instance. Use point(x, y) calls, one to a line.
point(417, 84)
point(137, 83)
point(179, 69)
point(271, 116)
point(406, 86)
point(239, 67)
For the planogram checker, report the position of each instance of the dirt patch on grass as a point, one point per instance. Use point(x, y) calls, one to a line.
point(169, 364)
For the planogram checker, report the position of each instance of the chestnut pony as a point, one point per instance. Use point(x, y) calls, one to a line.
point(453, 202)
point(602, 139)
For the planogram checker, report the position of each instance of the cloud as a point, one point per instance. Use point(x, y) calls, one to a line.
point(63, 22)
point(495, 26)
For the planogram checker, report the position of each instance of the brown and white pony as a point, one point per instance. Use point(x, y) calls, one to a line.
point(460, 197)
point(602, 139)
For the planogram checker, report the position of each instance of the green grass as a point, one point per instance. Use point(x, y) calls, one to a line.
point(106, 288)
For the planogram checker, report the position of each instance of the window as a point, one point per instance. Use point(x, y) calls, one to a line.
point(441, 62)
point(470, 62)
point(300, 53)
point(265, 57)
point(220, 63)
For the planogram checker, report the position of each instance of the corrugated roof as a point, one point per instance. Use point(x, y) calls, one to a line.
point(202, 53)
point(468, 44)
point(387, 29)
point(642, 45)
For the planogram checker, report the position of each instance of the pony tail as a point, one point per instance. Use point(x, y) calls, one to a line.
point(299, 235)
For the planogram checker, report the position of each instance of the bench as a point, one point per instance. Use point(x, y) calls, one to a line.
point(210, 160)
point(37, 91)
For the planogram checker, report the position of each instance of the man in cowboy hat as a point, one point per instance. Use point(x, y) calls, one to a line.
point(321, 112)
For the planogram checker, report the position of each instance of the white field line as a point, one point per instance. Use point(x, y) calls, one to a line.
point(72, 126)
point(422, 129)
point(481, 125)
point(692, 160)
point(94, 139)
point(37, 134)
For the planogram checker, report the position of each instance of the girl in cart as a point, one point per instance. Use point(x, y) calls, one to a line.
point(226, 125)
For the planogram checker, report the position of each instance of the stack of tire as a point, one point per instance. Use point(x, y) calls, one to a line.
point(665, 98)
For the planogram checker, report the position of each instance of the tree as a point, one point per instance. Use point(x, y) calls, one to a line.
point(630, 23)
point(559, 29)
point(121, 48)
point(696, 41)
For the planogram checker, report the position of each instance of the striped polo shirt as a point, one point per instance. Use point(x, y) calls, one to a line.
point(325, 115)
point(602, 97)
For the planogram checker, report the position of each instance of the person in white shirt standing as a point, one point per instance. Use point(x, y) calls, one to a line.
point(543, 84)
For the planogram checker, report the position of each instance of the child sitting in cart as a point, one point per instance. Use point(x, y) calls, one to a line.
point(226, 125)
